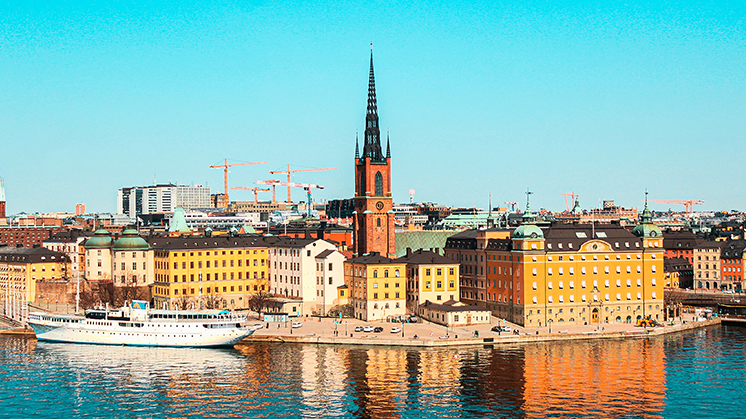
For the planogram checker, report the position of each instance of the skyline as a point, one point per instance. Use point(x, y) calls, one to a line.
point(480, 99)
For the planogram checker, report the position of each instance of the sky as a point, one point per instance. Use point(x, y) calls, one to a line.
point(604, 99)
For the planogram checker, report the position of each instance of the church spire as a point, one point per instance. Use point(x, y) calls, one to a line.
point(357, 146)
point(372, 142)
point(388, 146)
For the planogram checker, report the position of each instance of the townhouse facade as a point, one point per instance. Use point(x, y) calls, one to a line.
point(376, 286)
point(310, 270)
point(21, 268)
point(430, 277)
point(209, 272)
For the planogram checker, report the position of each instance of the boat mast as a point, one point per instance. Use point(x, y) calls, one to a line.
point(77, 294)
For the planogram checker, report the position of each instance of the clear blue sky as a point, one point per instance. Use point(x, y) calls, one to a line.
point(604, 99)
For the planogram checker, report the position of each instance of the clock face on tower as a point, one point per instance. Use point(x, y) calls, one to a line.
point(379, 205)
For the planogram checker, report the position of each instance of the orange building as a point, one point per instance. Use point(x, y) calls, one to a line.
point(571, 273)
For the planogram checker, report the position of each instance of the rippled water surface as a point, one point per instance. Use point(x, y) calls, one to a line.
point(699, 374)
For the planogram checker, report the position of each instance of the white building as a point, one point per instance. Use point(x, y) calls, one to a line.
point(139, 200)
point(68, 242)
point(203, 220)
point(306, 269)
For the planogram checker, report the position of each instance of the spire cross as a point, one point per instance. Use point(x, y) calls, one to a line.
point(528, 196)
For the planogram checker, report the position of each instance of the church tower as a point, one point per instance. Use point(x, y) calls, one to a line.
point(2, 198)
point(373, 218)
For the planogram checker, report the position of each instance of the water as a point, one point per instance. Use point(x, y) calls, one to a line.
point(699, 373)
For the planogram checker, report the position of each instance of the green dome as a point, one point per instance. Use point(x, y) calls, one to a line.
point(647, 228)
point(130, 240)
point(101, 240)
point(528, 231)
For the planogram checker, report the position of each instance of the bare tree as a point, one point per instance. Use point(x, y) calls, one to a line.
point(88, 296)
point(183, 302)
point(259, 301)
point(107, 293)
point(128, 290)
point(213, 301)
point(672, 301)
point(345, 310)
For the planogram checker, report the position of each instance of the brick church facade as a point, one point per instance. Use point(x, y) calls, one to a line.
point(373, 216)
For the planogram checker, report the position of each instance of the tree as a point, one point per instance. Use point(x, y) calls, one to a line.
point(259, 301)
point(672, 303)
point(88, 297)
point(213, 301)
point(345, 310)
point(128, 290)
point(107, 293)
point(183, 302)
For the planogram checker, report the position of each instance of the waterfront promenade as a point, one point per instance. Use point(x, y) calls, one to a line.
point(327, 331)
point(332, 331)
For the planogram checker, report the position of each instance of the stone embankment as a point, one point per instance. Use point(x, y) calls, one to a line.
point(450, 340)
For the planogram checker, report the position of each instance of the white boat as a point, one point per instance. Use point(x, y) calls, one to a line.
point(138, 325)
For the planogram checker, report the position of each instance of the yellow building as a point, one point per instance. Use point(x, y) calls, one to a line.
point(376, 287)
point(209, 272)
point(430, 277)
point(576, 273)
point(20, 269)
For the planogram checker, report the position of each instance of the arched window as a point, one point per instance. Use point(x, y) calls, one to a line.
point(379, 184)
point(378, 221)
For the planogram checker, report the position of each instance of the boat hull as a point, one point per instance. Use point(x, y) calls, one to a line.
point(107, 332)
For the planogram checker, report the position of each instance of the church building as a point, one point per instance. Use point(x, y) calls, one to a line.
point(373, 217)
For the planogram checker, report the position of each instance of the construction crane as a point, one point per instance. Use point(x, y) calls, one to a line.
point(272, 182)
point(250, 188)
point(512, 205)
point(306, 186)
point(687, 203)
point(289, 172)
point(573, 195)
point(225, 166)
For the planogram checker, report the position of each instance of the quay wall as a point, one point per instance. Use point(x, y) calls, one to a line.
point(376, 340)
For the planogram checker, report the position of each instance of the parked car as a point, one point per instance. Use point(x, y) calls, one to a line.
point(395, 329)
point(359, 328)
point(728, 292)
point(378, 329)
point(296, 325)
point(368, 329)
point(497, 329)
point(507, 329)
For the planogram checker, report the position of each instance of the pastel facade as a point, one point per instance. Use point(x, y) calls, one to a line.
point(219, 272)
point(454, 314)
point(430, 277)
point(20, 270)
point(69, 242)
point(310, 270)
point(376, 286)
point(707, 266)
point(571, 273)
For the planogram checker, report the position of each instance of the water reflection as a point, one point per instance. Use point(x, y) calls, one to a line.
point(586, 379)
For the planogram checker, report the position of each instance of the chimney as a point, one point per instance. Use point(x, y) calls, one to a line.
point(409, 251)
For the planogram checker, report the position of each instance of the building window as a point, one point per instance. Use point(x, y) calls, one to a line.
point(379, 184)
